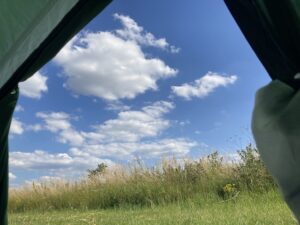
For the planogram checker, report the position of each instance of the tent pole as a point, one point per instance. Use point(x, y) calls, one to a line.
point(7, 106)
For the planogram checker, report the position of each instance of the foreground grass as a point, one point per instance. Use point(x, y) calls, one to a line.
point(205, 191)
point(248, 208)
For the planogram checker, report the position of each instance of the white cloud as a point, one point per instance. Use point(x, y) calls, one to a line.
point(60, 164)
point(71, 136)
point(59, 122)
point(50, 179)
point(117, 106)
point(132, 31)
point(133, 133)
point(132, 126)
point(34, 86)
point(55, 121)
point(204, 86)
point(34, 127)
point(19, 108)
point(231, 157)
point(184, 123)
point(12, 176)
point(16, 127)
point(112, 65)
point(148, 149)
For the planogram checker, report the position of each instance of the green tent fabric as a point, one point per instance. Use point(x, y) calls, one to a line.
point(276, 129)
point(272, 28)
point(7, 108)
point(32, 32)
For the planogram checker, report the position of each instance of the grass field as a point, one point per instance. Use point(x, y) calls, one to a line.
point(206, 191)
point(248, 209)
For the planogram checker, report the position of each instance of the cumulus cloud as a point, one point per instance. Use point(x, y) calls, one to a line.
point(59, 122)
point(112, 65)
point(44, 160)
point(19, 108)
point(55, 121)
point(132, 31)
point(117, 106)
point(16, 127)
point(131, 132)
point(12, 176)
point(204, 86)
point(132, 126)
point(145, 149)
point(34, 87)
point(62, 165)
point(34, 127)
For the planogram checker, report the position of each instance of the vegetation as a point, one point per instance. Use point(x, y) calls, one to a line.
point(249, 209)
point(136, 185)
point(98, 171)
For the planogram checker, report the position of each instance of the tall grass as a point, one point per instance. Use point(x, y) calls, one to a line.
point(136, 185)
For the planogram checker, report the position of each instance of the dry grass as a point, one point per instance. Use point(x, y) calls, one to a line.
point(136, 185)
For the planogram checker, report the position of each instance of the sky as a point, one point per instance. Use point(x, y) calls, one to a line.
point(147, 80)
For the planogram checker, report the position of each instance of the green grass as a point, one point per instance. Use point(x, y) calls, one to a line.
point(248, 208)
point(206, 191)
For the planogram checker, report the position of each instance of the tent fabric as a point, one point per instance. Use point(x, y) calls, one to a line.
point(275, 125)
point(272, 28)
point(7, 104)
point(32, 32)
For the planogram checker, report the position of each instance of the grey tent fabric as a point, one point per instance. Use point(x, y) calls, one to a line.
point(276, 129)
point(7, 104)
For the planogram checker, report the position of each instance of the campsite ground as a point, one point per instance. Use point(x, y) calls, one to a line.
point(248, 209)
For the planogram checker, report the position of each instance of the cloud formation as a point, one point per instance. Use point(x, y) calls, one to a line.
point(127, 131)
point(131, 125)
point(16, 127)
point(12, 176)
point(59, 123)
point(133, 133)
point(112, 65)
point(43, 160)
point(34, 87)
point(132, 31)
point(204, 86)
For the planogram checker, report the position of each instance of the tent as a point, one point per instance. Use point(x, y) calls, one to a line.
point(32, 32)
point(272, 28)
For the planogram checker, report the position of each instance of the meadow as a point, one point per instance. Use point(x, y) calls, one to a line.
point(204, 191)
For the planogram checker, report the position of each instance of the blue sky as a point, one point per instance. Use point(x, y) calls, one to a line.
point(147, 79)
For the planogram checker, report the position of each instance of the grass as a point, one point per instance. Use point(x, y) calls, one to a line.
point(248, 209)
point(206, 191)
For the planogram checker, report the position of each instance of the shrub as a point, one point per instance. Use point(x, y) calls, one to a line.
point(251, 172)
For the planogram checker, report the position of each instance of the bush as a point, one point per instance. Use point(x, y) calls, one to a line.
point(251, 172)
point(98, 171)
